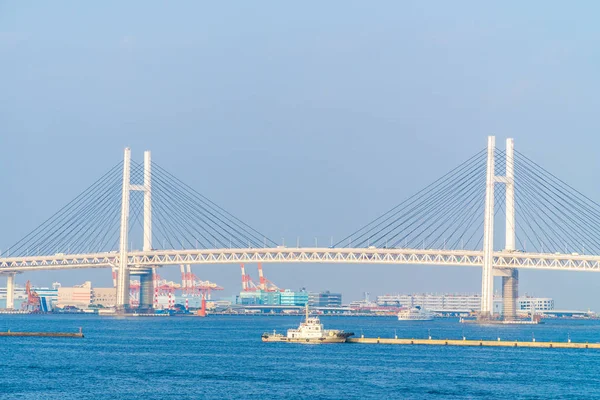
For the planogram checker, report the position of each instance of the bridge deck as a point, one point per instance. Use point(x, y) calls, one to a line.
point(158, 258)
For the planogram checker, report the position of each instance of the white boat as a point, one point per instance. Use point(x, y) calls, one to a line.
point(309, 331)
point(415, 314)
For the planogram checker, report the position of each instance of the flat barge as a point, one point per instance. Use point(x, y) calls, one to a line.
point(476, 343)
point(532, 321)
point(42, 334)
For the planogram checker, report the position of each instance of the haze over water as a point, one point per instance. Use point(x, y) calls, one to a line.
point(222, 357)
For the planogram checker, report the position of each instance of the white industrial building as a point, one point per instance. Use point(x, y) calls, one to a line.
point(433, 301)
point(535, 303)
point(461, 302)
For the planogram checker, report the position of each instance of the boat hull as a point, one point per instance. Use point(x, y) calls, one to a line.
point(415, 319)
point(284, 339)
point(499, 322)
point(310, 331)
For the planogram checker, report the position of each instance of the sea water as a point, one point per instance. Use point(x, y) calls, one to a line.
point(222, 357)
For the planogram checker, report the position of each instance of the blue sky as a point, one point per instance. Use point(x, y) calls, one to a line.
point(303, 120)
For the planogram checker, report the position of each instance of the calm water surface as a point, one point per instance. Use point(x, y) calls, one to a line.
point(222, 357)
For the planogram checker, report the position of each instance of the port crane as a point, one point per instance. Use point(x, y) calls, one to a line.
point(33, 299)
point(248, 284)
point(264, 284)
point(192, 285)
point(205, 287)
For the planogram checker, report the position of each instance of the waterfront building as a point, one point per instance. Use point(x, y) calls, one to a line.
point(365, 303)
point(270, 298)
point(324, 299)
point(104, 297)
point(19, 297)
point(249, 298)
point(526, 304)
point(362, 305)
point(289, 298)
point(431, 301)
point(273, 298)
point(460, 302)
point(535, 303)
point(79, 296)
point(259, 297)
point(48, 296)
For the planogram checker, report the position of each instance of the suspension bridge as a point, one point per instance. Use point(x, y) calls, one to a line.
point(543, 222)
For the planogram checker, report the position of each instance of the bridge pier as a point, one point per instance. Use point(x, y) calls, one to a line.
point(510, 293)
point(146, 289)
point(10, 290)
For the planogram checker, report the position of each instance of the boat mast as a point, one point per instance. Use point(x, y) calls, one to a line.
point(307, 312)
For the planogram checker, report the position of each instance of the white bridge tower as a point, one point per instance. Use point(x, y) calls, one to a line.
point(510, 277)
point(125, 270)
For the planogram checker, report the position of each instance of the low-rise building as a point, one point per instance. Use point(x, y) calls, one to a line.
point(19, 296)
point(528, 303)
point(104, 297)
point(79, 296)
point(48, 296)
point(324, 299)
point(273, 298)
point(460, 302)
point(270, 298)
point(432, 301)
point(249, 298)
point(289, 298)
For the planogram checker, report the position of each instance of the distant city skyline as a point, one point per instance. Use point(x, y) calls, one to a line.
point(236, 291)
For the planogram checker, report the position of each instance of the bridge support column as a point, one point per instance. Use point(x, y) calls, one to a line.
point(487, 276)
point(146, 290)
point(146, 276)
point(10, 290)
point(510, 290)
point(147, 201)
point(147, 281)
point(510, 283)
point(123, 275)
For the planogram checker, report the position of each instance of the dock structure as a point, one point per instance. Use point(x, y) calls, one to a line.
point(476, 343)
point(43, 334)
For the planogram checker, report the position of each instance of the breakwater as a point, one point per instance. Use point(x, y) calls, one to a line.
point(475, 343)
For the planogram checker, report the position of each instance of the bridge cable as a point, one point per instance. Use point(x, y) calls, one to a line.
point(419, 206)
point(475, 159)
